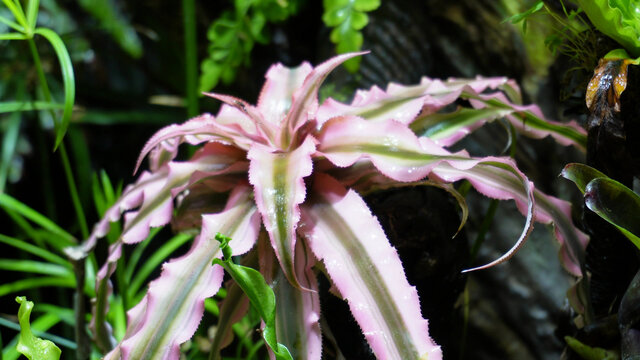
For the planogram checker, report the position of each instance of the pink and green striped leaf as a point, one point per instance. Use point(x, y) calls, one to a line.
point(397, 153)
point(278, 182)
point(229, 127)
point(305, 98)
point(529, 120)
point(297, 311)
point(277, 92)
point(171, 311)
point(366, 270)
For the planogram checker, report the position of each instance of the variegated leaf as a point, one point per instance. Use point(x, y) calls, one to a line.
point(367, 272)
point(160, 323)
point(278, 182)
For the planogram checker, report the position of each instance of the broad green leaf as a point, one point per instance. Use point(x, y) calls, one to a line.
point(67, 77)
point(620, 20)
point(617, 204)
point(30, 346)
point(581, 174)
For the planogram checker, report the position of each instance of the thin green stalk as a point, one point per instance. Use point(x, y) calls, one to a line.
point(73, 190)
point(191, 56)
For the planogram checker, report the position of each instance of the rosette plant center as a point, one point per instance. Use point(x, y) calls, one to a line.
point(290, 172)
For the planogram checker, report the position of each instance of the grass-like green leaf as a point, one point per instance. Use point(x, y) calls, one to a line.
point(35, 267)
point(36, 283)
point(9, 141)
point(62, 238)
point(32, 13)
point(13, 36)
point(18, 14)
point(30, 346)
point(11, 24)
point(32, 249)
point(67, 78)
point(14, 106)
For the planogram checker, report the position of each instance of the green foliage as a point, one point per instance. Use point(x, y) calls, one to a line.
point(260, 295)
point(523, 16)
point(611, 200)
point(233, 35)
point(112, 21)
point(618, 19)
point(30, 346)
point(348, 18)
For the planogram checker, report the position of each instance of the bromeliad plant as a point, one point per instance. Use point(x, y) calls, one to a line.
point(289, 169)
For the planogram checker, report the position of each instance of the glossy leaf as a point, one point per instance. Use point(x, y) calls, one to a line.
point(608, 198)
point(617, 204)
point(581, 174)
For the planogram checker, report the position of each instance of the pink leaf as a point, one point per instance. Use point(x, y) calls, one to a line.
point(278, 182)
point(160, 323)
point(367, 271)
point(277, 92)
point(305, 98)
